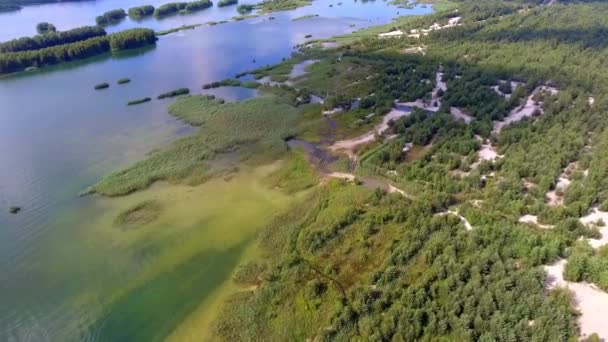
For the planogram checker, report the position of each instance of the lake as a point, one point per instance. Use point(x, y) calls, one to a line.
point(67, 274)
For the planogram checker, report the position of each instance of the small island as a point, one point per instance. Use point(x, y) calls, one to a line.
point(14, 209)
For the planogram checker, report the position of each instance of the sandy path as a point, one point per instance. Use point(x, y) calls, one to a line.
point(464, 221)
point(370, 136)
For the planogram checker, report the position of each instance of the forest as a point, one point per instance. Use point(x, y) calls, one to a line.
point(111, 17)
point(51, 39)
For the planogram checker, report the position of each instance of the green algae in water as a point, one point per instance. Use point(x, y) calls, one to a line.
point(153, 311)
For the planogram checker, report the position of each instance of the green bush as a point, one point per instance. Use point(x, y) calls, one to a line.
point(139, 101)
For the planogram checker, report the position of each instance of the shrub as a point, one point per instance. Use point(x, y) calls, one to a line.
point(138, 101)
point(245, 8)
point(110, 17)
point(168, 9)
point(141, 11)
point(173, 93)
point(44, 28)
point(224, 3)
point(101, 86)
point(197, 6)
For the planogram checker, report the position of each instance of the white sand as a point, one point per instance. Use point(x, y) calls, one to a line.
point(396, 33)
point(488, 152)
point(532, 219)
point(300, 68)
point(342, 175)
point(591, 100)
point(525, 111)
point(588, 299)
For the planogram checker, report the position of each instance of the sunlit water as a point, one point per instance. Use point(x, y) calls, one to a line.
point(58, 136)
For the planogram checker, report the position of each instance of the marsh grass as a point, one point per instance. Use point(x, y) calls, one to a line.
point(140, 214)
point(123, 80)
point(254, 128)
point(296, 174)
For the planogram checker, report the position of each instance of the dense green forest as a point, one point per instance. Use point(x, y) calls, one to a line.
point(128, 39)
point(51, 39)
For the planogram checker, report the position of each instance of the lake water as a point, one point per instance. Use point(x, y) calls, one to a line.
point(58, 136)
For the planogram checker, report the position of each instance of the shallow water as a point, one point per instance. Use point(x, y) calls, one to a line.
point(59, 257)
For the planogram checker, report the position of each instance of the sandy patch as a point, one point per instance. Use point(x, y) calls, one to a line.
point(458, 114)
point(532, 219)
point(591, 100)
point(563, 182)
point(590, 220)
point(415, 33)
point(591, 302)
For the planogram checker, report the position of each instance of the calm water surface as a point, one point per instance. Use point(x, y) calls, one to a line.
point(58, 135)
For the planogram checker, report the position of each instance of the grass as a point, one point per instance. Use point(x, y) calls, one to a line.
point(177, 29)
point(173, 93)
point(138, 101)
point(101, 86)
point(304, 17)
point(296, 174)
point(123, 80)
point(255, 128)
point(140, 214)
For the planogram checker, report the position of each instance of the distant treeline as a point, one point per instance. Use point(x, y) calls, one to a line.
point(141, 11)
point(15, 5)
point(51, 39)
point(110, 17)
point(18, 61)
point(181, 7)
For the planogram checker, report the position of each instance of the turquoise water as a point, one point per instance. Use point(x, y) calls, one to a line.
point(58, 135)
